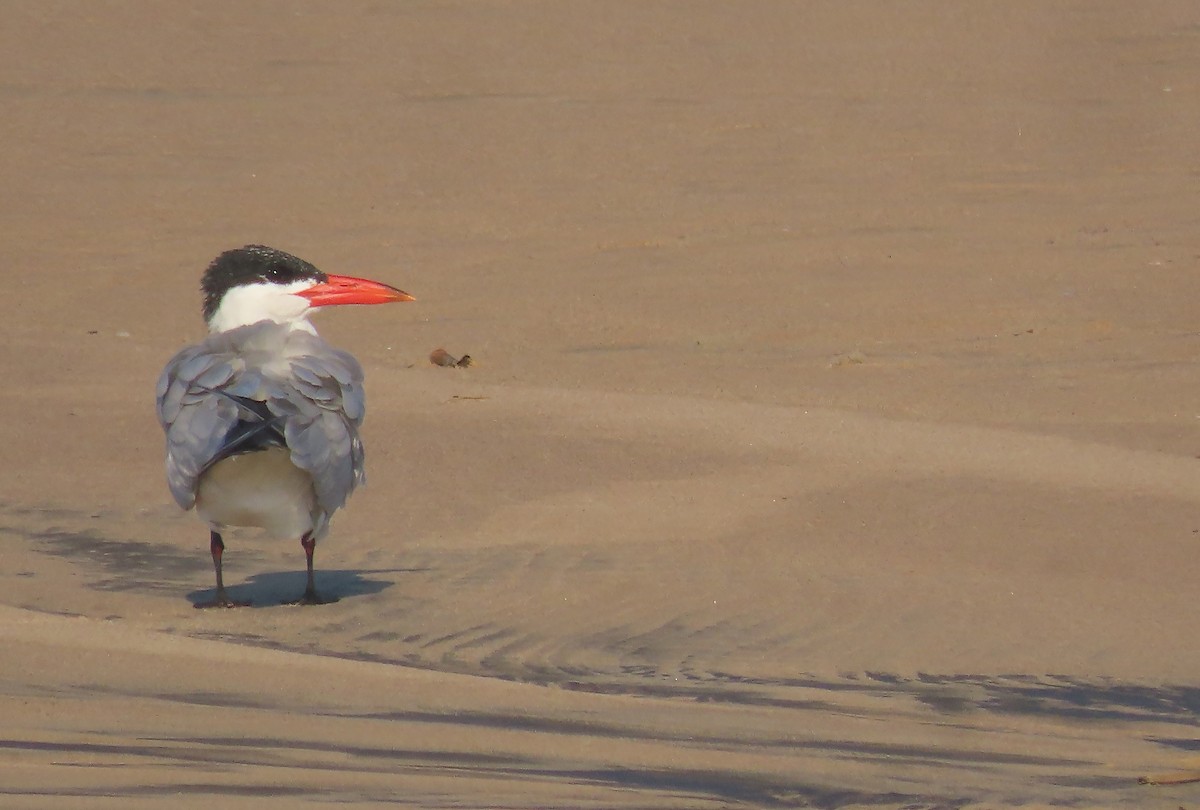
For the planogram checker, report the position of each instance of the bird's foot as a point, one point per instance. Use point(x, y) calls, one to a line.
point(221, 600)
point(311, 597)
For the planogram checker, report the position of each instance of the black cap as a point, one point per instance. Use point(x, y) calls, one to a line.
point(252, 264)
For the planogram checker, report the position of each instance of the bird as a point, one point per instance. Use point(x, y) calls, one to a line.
point(262, 417)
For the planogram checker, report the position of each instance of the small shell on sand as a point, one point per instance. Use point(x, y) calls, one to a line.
point(441, 357)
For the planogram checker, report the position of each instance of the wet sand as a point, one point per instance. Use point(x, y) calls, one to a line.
point(831, 438)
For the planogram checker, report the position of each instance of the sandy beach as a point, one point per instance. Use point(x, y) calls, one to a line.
point(831, 438)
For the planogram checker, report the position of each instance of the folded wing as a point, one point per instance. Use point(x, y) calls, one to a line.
point(258, 386)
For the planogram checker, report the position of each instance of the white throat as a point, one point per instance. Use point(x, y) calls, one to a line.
point(251, 303)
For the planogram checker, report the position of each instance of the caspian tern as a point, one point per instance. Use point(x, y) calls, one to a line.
point(262, 417)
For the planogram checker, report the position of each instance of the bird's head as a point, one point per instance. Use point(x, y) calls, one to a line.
point(256, 283)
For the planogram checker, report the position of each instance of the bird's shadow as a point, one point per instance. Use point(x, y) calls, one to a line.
point(285, 587)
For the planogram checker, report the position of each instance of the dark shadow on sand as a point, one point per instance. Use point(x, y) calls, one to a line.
point(127, 565)
point(143, 566)
point(276, 588)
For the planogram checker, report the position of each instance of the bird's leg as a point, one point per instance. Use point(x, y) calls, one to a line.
point(217, 546)
point(310, 597)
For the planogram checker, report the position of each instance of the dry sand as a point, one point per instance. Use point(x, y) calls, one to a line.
point(831, 440)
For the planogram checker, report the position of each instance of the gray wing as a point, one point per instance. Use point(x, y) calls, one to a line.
point(195, 419)
point(322, 404)
point(212, 394)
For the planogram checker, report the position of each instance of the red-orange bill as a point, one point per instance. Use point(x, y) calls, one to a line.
point(337, 290)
